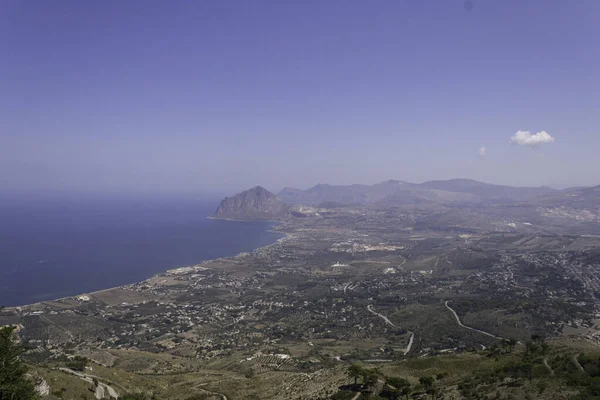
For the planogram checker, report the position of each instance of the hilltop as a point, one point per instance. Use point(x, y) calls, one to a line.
point(253, 204)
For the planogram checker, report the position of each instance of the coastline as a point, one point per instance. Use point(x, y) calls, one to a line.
point(285, 236)
point(242, 220)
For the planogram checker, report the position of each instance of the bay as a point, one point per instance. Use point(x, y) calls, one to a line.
point(64, 248)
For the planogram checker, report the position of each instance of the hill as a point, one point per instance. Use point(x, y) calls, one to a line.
point(253, 204)
point(487, 190)
point(586, 197)
point(394, 192)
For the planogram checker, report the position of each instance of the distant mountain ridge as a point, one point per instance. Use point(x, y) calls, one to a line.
point(260, 204)
point(578, 197)
point(253, 204)
point(487, 190)
point(400, 192)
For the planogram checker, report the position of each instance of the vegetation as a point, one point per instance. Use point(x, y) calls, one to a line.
point(78, 363)
point(14, 384)
point(136, 396)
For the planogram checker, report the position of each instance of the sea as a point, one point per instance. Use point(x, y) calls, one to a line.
point(58, 248)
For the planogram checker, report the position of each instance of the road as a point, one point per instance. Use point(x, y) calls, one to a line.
point(387, 321)
point(410, 342)
point(101, 389)
point(403, 262)
point(548, 367)
point(578, 364)
point(390, 323)
point(468, 327)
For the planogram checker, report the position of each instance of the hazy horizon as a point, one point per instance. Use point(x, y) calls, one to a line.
point(16, 197)
point(210, 98)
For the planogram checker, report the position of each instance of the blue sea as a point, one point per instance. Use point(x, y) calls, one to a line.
point(63, 247)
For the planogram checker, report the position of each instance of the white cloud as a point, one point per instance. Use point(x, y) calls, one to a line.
point(482, 151)
point(526, 138)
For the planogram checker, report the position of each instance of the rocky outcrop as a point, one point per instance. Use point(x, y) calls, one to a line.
point(254, 204)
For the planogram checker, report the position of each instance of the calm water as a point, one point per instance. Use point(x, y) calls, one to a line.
point(57, 249)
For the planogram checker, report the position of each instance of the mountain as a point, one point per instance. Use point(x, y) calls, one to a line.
point(454, 191)
point(259, 203)
point(487, 190)
point(580, 197)
point(354, 194)
point(254, 204)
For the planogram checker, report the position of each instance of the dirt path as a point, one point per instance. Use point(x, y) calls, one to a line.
point(577, 364)
point(387, 321)
point(50, 322)
point(548, 366)
point(410, 343)
point(390, 323)
point(468, 327)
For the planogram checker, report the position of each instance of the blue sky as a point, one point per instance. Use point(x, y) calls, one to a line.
point(217, 96)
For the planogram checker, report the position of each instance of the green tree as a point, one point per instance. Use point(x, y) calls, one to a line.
point(537, 338)
point(343, 395)
point(14, 385)
point(355, 371)
point(78, 363)
point(406, 391)
point(433, 391)
point(494, 350)
point(397, 382)
point(427, 382)
point(400, 387)
point(371, 378)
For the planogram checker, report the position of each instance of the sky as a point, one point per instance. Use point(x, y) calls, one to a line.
point(184, 97)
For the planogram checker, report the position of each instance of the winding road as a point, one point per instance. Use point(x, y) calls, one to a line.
point(578, 364)
point(548, 367)
point(468, 327)
point(390, 323)
point(101, 389)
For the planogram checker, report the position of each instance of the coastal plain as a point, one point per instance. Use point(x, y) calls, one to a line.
point(406, 290)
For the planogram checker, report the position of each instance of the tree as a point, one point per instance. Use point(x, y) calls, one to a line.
point(396, 382)
point(512, 342)
point(537, 338)
point(355, 371)
point(401, 386)
point(527, 368)
point(506, 344)
point(494, 350)
point(441, 375)
point(406, 391)
point(371, 378)
point(433, 391)
point(78, 363)
point(343, 395)
point(14, 385)
point(427, 382)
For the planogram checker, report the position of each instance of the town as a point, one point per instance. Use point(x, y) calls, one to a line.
point(342, 285)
